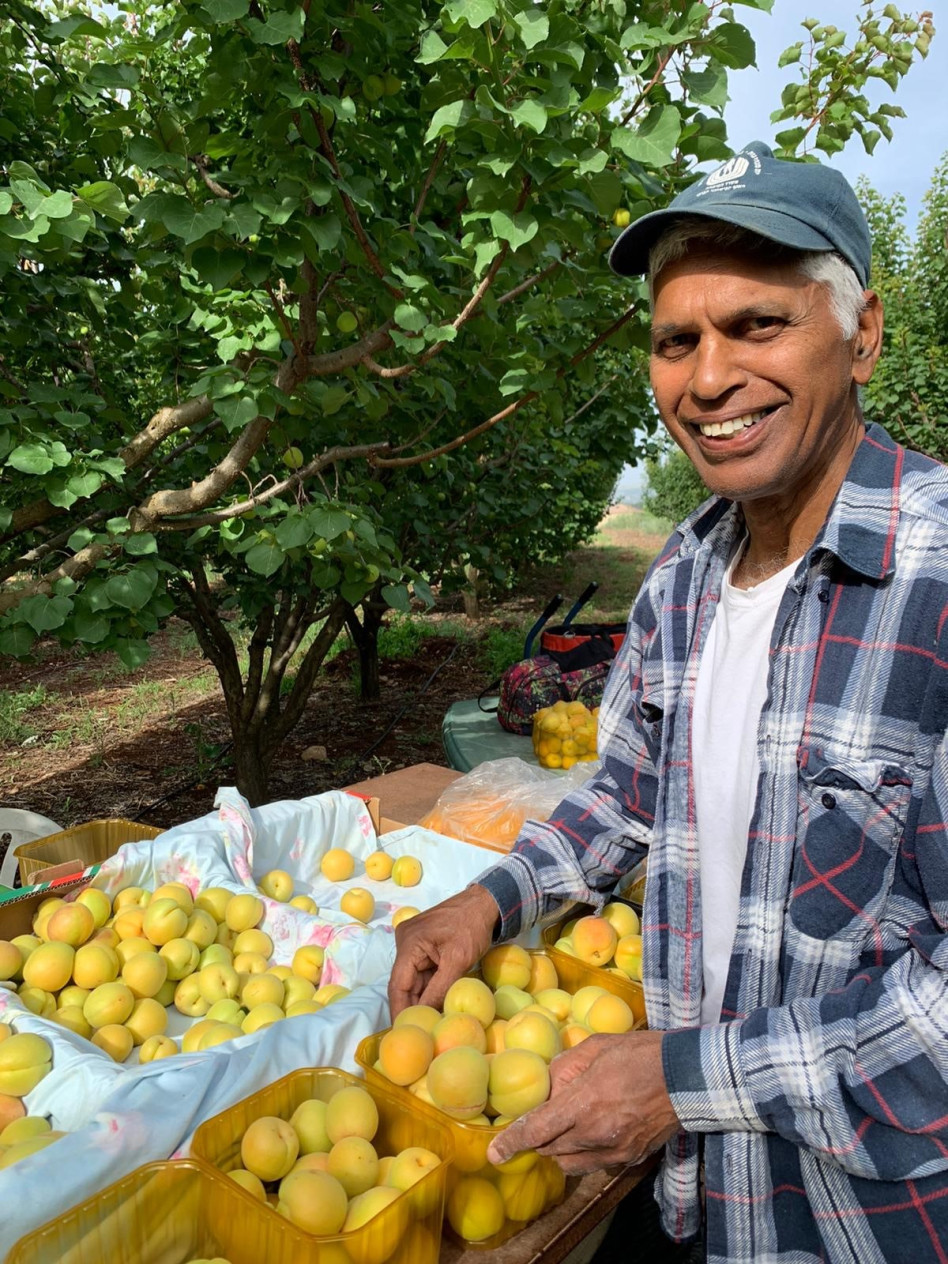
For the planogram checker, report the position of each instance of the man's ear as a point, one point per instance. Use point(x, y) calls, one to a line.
point(867, 344)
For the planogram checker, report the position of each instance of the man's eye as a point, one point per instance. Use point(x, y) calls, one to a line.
point(674, 343)
point(762, 324)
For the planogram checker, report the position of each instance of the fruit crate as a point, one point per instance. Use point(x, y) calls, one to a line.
point(166, 1213)
point(90, 844)
point(408, 1231)
point(574, 974)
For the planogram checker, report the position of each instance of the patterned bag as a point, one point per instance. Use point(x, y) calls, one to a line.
point(579, 674)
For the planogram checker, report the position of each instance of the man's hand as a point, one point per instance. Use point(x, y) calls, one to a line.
point(435, 948)
point(608, 1104)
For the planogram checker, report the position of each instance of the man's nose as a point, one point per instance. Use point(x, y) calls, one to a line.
point(716, 370)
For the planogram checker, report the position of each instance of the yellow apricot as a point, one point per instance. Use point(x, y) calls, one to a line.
point(405, 1053)
point(337, 865)
point(378, 866)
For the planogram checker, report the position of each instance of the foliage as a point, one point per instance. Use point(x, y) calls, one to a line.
point(908, 392)
point(305, 306)
point(673, 489)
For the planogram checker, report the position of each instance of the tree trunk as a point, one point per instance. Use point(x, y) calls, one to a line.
point(365, 633)
point(470, 595)
point(252, 767)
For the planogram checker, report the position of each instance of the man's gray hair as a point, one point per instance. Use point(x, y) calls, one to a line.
point(825, 267)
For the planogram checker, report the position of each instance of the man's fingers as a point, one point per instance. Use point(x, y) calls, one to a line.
point(532, 1131)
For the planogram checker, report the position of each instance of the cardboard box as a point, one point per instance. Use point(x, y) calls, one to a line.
point(18, 909)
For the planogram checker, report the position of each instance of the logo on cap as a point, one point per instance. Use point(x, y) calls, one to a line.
point(732, 170)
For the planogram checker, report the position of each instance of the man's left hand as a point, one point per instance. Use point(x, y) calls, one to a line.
point(608, 1104)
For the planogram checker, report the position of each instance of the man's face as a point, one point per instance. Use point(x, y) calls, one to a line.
point(752, 376)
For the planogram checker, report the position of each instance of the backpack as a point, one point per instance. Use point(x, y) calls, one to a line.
point(578, 674)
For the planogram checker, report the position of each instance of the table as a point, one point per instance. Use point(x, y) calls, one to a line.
point(407, 794)
point(471, 736)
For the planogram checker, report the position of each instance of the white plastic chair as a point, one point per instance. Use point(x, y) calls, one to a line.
point(23, 826)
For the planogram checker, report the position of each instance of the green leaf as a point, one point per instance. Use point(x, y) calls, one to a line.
point(409, 317)
point(236, 411)
point(534, 27)
point(396, 596)
point(517, 229)
point(218, 267)
point(606, 191)
point(82, 485)
point(140, 543)
point(265, 558)
point(530, 114)
point(16, 641)
point(57, 206)
point(90, 628)
point(733, 45)
point(598, 99)
point(44, 614)
point(226, 10)
point(106, 198)
point(78, 24)
point(474, 12)
point(294, 531)
point(640, 35)
point(132, 589)
point(189, 222)
point(278, 28)
point(448, 118)
point(655, 141)
point(707, 87)
point(31, 458)
point(134, 654)
point(325, 230)
point(329, 524)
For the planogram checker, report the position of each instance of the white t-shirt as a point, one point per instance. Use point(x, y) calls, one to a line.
point(729, 694)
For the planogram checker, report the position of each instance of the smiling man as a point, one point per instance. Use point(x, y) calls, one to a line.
point(773, 737)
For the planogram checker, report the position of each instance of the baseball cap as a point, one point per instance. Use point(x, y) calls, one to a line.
point(800, 204)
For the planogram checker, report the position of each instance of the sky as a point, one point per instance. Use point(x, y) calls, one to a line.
point(903, 165)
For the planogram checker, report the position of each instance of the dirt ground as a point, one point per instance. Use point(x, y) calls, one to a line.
point(167, 771)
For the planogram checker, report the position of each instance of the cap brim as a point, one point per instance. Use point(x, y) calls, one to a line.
point(629, 254)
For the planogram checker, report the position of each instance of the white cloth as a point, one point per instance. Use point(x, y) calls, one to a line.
point(729, 695)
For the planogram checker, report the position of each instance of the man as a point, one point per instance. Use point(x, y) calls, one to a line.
point(773, 734)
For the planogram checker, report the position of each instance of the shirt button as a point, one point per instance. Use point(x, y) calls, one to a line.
point(828, 800)
point(822, 595)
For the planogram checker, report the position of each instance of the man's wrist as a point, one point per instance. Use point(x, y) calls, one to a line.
point(486, 907)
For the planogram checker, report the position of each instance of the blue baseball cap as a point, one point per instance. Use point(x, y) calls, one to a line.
point(799, 204)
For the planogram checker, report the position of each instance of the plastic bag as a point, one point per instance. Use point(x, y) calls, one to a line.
point(489, 804)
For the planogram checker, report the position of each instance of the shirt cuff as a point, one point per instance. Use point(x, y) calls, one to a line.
point(512, 883)
point(705, 1079)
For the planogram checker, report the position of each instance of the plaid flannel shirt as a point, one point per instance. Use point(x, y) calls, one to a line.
point(822, 1094)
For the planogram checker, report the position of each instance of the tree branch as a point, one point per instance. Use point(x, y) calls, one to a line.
point(428, 182)
point(200, 162)
point(529, 283)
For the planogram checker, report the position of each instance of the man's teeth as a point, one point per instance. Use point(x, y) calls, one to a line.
point(733, 425)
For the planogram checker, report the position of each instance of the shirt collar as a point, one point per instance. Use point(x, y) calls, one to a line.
point(860, 528)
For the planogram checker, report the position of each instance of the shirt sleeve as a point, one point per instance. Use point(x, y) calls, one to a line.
point(600, 831)
point(859, 1074)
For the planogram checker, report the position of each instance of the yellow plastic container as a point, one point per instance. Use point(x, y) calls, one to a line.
point(90, 844)
point(574, 974)
point(167, 1213)
point(408, 1231)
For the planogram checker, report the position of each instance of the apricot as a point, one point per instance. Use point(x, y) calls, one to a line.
point(125, 949)
point(358, 904)
point(458, 1029)
point(532, 1031)
point(128, 897)
point(308, 962)
point(98, 904)
point(557, 1000)
point(424, 1016)
point(182, 957)
point(494, 1036)
point(218, 982)
point(24, 1128)
point(628, 956)
point(227, 1011)
point(403, 914)
point(25, 944)
point(262, 989)
point(573, 1034)
point(213, 900)
point(610, 1014)
point(95, 965)
point(379, 866)
point(108, 1005)
point(24, 1060)
point(115, 1040)
point(225, 937)
point(337, 865)
point(147, 1018)
point(129, 924)
point(507, 963)
point(622, 918)
point(519, 1081)
point(71, 924)
point(269, 1148)
point(177, 891)
point(509, 1000)
point(406, 871)
point(565, 944)
point(309, 1123)
point(305, 903)
point(188, 998)
point(302, 1007)
point(475, 1209)
point(243, 912)
point(6, 1031)
point(458, 1081)
point(106, 936)
point(73, 995)
point(250, 963)
point(404, 1054)
point(277, 884)
point(255, 941)
point(50, 966)
point(281, 972)
point(155, 1048)
point(351, 1112)
point(542, 973)
point(594, 940)
point(355, 1165)
point(295, 988)
point(191, 1040)
point(202, 929)
point(329, 993)
point(72, 1017)
point(246, 1180)
point(263, 1015)
point(314, 1201)
point(165, 994)
point(525, 1194)
point(219, 1034)
point(38, 1001)
point(11, 1108)
point(471, 996)
point(13, 1154)
point(409, 1166)
point(583, 1000)
point(164, 920)
point(378, 1243)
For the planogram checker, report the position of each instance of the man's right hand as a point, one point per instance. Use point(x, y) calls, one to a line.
point(434, 949)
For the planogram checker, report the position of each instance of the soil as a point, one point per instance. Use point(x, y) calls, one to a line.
point(169, 772)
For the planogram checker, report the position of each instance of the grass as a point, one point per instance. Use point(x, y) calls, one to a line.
point(15, 707)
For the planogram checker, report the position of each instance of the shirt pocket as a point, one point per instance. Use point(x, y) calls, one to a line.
point(850, 819)
point(648, 716)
